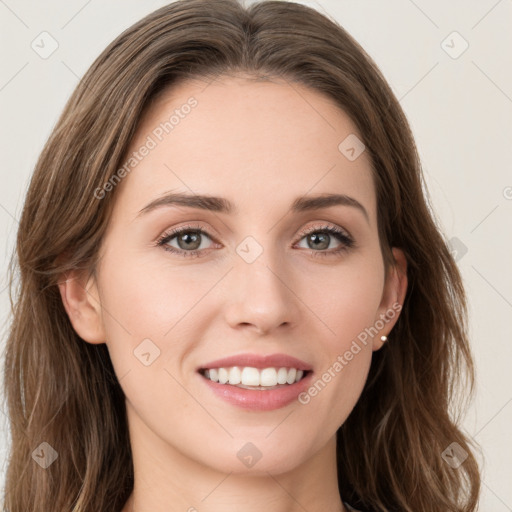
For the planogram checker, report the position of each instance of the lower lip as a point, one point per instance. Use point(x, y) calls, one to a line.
point(257, 400)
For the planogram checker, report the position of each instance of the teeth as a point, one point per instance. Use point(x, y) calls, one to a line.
point(248, 376)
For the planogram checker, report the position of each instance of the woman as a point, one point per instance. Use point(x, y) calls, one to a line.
point(233, 294)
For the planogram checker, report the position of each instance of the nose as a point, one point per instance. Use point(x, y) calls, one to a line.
point(261, 296)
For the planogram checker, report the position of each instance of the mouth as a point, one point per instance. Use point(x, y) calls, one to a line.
point(256, 390)
point(257, 382)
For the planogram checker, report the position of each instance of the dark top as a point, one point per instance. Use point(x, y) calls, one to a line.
point(349, 507)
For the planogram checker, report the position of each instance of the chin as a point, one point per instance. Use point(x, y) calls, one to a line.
point(257, 459)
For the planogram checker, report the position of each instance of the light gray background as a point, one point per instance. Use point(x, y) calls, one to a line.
point(460, 110)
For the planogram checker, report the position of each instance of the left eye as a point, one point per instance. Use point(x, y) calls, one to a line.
point(321, 238)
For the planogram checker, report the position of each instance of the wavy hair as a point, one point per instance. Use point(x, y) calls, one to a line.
point(63, 391)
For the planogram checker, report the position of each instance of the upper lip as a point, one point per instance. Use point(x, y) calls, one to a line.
point(258, 361)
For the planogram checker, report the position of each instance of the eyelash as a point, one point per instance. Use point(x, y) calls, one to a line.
point(346, 241)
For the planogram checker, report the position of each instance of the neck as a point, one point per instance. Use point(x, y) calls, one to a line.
point(168, 480)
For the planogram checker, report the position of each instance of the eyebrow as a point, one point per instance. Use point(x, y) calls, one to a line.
point(222, 205)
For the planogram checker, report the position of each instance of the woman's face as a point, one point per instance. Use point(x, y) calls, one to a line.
point(261, 277)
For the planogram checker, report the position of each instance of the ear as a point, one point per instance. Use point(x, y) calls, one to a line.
point(393, 298)
point(82, 303)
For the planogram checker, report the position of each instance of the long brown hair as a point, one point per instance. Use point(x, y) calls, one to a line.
point(63, 391)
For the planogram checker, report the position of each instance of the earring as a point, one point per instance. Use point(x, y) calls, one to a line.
point(383, 338)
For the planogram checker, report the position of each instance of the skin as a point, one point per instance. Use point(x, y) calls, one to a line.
point(259, 144)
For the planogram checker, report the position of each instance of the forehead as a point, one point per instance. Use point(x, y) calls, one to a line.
point(244, 139)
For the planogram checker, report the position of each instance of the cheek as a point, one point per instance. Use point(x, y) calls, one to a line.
point(145, 312)
point(146, 301)
point(345, 301)
point(345, 309)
